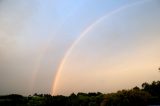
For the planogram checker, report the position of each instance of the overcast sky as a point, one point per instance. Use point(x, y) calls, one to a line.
point(86, 45)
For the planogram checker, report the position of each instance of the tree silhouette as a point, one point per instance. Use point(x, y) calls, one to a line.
point(149, 94)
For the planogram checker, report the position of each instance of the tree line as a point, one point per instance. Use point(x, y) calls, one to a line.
point(148, 94)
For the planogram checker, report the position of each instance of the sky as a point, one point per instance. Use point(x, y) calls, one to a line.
point(65, 46)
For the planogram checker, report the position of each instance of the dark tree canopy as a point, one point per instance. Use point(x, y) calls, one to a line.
point(148, 95)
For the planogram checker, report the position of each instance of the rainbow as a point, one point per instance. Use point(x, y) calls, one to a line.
point(89, 28)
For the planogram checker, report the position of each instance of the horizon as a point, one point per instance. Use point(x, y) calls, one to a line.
point(59, 47)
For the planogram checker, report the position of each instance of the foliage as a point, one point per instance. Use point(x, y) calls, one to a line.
point(149, 94)
point(127, 98)
point(153, 89)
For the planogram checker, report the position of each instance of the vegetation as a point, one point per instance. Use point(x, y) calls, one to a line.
point(149, 94)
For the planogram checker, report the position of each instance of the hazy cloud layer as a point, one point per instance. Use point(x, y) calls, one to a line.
point(36, 34)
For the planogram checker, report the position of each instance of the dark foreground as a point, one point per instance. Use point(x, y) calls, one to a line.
point(148, 95)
